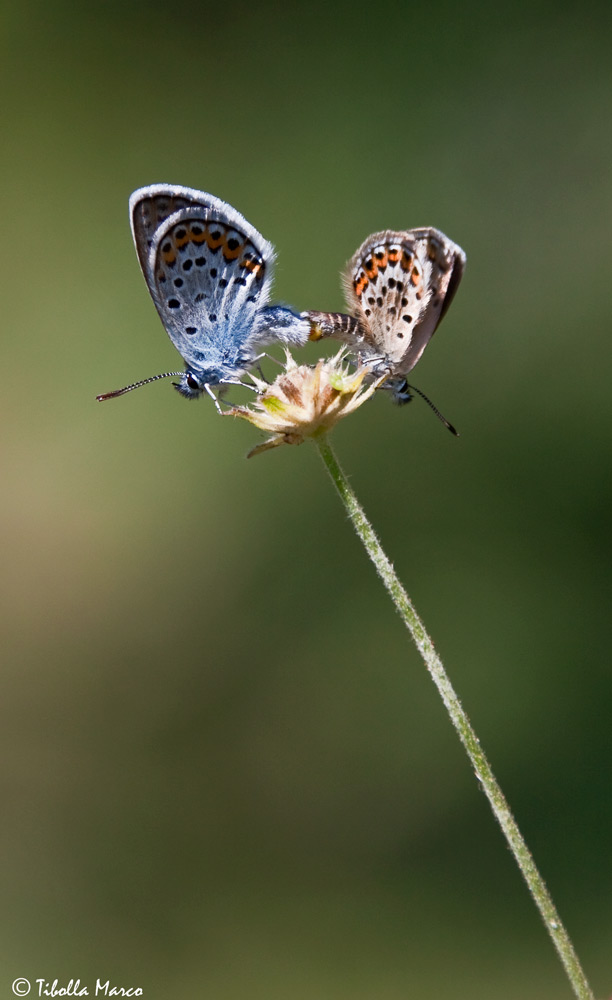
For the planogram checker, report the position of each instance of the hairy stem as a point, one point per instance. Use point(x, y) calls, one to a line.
point(471, 743)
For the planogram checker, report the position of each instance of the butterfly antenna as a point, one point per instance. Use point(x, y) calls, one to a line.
point(435, 409)
point(136, 385)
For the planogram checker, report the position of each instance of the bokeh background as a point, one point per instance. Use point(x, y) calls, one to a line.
point(225, 772)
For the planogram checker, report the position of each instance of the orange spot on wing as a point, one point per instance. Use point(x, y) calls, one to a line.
point(370, 267)
point(214, 241)
point(180, 241)
point(406, 261)
point(360, 284)
point(382, 259)
point(232, 254)
point(254, 266)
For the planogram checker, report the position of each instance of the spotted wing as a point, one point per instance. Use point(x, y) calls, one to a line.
point(151, 206)
point(399, 285)
point(208, 271)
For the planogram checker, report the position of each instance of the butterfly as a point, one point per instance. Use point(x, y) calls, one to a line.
point(398, 286)
point(209, 272)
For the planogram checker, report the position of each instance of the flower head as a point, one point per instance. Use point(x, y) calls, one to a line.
point(305, 401)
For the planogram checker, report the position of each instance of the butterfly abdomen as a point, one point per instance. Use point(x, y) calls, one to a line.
point(340, 326)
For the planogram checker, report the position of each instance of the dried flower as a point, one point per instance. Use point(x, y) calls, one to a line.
point(305, 401)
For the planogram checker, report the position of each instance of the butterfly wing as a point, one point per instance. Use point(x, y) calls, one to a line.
point(151, 206)
point(399, 285)
point(208, 270)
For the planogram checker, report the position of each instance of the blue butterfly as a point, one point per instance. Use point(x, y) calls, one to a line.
point(209, 273)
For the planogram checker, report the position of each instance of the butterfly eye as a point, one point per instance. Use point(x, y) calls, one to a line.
point(189, 387)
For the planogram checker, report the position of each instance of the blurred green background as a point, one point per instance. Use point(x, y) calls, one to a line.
point(225, 772)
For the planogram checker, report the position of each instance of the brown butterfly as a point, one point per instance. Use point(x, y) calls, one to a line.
point(398, 287)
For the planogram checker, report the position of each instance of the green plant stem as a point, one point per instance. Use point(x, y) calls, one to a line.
point(484, 774)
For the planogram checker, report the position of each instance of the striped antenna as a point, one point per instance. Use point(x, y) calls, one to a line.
point(435, 409)
point(136, 385)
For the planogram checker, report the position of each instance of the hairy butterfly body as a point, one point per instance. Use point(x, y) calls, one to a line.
point(209, 273)
point(398, 286)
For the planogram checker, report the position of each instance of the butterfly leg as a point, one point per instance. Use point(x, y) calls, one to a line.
point(262, 376)
point(256, 364)
point(277, 361)
point(235, 381)
point(213, 397)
